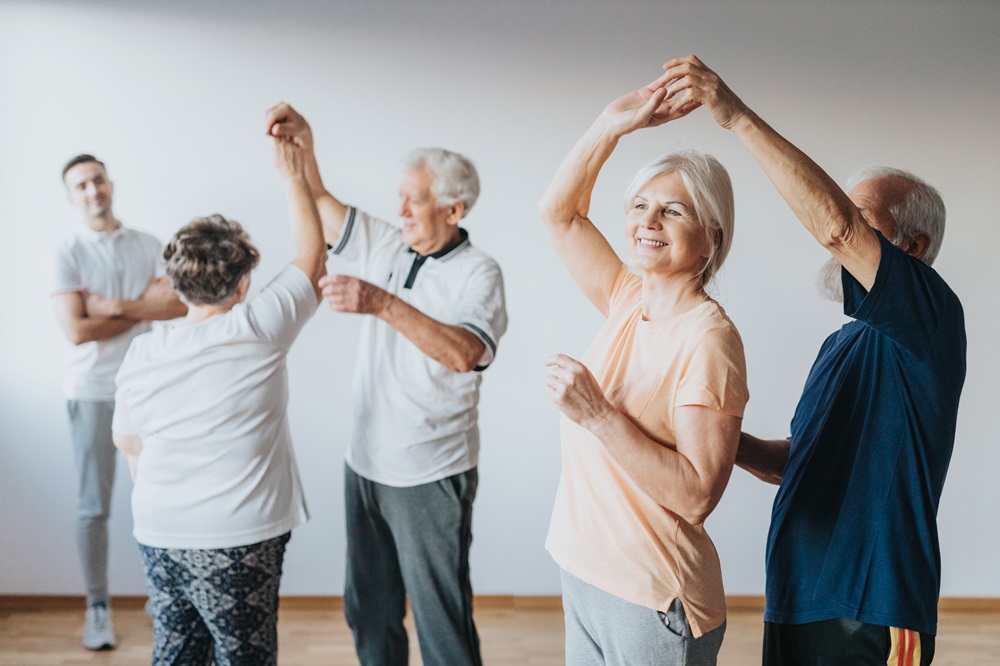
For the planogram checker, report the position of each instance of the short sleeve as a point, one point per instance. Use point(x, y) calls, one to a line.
point(715, 375)
point(363, 237)
point(280, 310)
point(483, 311)
point(906, 303)
point(66, 271)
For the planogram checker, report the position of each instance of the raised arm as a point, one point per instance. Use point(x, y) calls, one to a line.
point(817, 201)
point(564, 208)
point(282, 121)
point(688, 481)
point(71, 311)
point(764, 458)
point(290, 158)
point(159, 302)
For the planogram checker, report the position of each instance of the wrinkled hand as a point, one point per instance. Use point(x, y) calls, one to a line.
point(575, 391)
point(693, 84)
point(289, 158)
point(283, 122)
point(648, 106)
point(350, 294)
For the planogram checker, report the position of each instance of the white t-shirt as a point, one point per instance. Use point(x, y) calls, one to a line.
point(209, 402)
point(415, 421)
point(115, 265)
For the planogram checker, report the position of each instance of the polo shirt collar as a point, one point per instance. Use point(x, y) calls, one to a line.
point(97, 236)
point(447, 250)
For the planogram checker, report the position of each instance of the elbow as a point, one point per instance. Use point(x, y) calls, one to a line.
point(77, 338)
point(839, 226)
point(460, 363)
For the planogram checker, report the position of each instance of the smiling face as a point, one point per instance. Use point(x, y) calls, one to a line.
point(427, 227)
point(662, 231)
point(89, 189)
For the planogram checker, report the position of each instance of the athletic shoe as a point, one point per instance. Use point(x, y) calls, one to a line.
point(97, 632)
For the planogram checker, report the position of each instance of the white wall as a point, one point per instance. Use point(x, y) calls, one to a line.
point(171, 96)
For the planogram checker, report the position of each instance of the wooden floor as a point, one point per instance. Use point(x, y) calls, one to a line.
point(315, 633)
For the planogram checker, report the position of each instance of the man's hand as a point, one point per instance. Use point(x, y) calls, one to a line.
point(575, 391)
point(649, 106)
point(351, 294)
point(704, 88)
point(96, 305)
point(283, 122)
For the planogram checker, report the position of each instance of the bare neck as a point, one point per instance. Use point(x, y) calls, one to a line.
point(105, 222)
point(665, 296)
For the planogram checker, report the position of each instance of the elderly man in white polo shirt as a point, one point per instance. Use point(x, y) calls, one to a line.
point(437, 313)
point(107, 289)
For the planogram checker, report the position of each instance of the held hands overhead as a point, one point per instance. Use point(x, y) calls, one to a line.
point(685, 85)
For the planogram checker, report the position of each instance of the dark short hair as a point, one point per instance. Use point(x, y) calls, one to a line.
point(81, 159)
point(207, 259)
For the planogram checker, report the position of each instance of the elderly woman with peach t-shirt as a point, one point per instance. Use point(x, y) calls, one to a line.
point(652, 414)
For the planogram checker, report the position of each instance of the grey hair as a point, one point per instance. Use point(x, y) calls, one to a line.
point(921, 209)
point(707, 181)
point(455, 177)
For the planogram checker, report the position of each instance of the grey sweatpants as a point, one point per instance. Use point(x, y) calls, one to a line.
point(410, 542)
point(604, 629)
point(94, 452)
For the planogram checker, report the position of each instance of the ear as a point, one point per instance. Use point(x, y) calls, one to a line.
point(455, 213)
point(241, 289)
point(919, 245)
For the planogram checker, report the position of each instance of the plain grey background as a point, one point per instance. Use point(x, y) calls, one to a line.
point(172, 96)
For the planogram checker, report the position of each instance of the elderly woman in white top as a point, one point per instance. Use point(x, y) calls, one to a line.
point(652, 415)
point(201, 417)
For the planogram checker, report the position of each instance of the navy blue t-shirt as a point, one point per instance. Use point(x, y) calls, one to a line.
point(853, 529)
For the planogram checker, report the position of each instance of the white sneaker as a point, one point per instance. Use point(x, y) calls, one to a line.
point(97, 632)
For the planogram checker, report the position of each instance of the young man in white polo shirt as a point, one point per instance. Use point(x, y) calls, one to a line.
point(107, 289)
point(437, 307)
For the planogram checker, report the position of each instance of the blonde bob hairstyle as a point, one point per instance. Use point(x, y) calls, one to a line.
point(707, 181)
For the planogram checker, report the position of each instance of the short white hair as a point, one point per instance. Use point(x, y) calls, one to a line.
point(921, 209)
point(708, 183)
point(455, 177)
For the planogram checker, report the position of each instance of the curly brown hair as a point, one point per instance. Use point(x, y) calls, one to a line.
point(207, 259)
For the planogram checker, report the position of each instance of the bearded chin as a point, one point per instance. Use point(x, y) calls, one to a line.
point(828, 281)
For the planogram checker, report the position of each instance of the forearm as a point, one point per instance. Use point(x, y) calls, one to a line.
point(306, 229)
point(131, 448)
point(568, 196)
point(665, 475)
point(91, 329)
point(454, 347)
point(764, 458)
point(143, 309)
point(332, 212)
point(815, 198)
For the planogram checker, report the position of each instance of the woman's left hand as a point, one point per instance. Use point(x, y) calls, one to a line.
point(575, 391)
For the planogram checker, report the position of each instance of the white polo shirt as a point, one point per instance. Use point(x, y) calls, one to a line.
point(415, 421)
point(209, 401)
point(115, 265)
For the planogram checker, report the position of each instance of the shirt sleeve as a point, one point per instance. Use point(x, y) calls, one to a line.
point(66, 271)
point(281, 309)
point(715, 375)
point(906, 303)
point(362, 237)
point(483, 311)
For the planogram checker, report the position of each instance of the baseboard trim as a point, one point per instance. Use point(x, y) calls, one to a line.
point(737, 602)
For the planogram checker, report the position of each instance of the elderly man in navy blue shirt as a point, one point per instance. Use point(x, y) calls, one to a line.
point(853, 564)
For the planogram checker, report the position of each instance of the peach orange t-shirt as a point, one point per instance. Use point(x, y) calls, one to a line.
point(605, 530)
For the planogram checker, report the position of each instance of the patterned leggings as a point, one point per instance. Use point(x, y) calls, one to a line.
point(220, 602)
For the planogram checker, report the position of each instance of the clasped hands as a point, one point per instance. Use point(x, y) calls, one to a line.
point(686, 84)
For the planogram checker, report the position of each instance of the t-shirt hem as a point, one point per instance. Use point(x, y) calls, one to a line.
point(384, 480)
point(215, 540)
point(698, 628)
point(868, 618)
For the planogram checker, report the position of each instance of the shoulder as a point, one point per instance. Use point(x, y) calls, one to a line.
point(713, 327)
